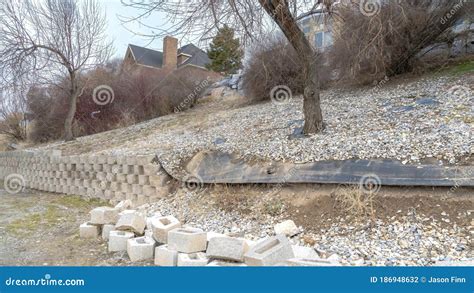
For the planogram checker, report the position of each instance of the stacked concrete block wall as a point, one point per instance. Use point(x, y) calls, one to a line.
point(137, 178)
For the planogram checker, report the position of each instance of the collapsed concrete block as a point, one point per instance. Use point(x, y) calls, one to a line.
point(211, 235)
point(313, 262)
point(304, 252)
point(162, 225)
point(124, 205)
point(141, 248)
point(87, 230)
point(222, 263)
point(227, 248)
point(131, 220)
point(165, 257)
point(269, 252)
point(156, 215)
point(118, 240)
point(104, 215)
point(287, 228)
point(197, 259)
point(187, 240)
point(106, 231)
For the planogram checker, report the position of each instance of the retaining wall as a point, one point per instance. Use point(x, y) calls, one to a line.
point(138, 178)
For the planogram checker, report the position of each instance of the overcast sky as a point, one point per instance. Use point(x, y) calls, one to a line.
point(120, 35)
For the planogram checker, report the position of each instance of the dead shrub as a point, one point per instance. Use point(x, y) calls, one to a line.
point(356, 202)
point(368, 48)
point(273, 63)
point(137, 96)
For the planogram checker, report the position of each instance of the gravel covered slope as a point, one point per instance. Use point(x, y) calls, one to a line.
point(411, 121)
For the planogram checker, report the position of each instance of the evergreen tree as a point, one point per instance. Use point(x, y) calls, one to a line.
point(225, 52)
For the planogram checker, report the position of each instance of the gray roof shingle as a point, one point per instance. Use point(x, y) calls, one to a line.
point(153, 58)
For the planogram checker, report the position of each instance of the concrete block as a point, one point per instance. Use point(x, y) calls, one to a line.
point(227, 248)
point(141, 248)
point(269, 252)
point(87, 230)
point(313, 262)
point(118, 240)
point(132, 179)
point(162, 225)
point(106, 231)
point(131, 220)
point(143, 180)
point(304, 252)
point(287, 228)
point(197, 259)
point(223, 263)
point(104, 215)
point(158, 180)
point(188, 240)
point(165, 257)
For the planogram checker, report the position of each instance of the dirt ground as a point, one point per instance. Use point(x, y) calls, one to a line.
point(42, 229)
point(39, 228)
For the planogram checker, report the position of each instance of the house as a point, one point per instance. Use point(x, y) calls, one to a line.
point(188, 58)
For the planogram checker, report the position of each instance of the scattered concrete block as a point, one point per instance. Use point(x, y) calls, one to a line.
point(313, 262)
point(124, 205)
point(287, 228)
point(156, 215)
point(131, 220)
point(269, 252)
point(104, 215)
point(162, 225)
point(86, 230)
point(165, 257)
point(187, 240)
point(304, 252)
point(197, 259)
point(227, 248)
point(222, 263)
point(141, 248)
point(118, 240)
point(106, 230)
point(211, 235)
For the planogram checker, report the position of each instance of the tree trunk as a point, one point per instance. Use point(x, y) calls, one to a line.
point(68, 135)
point(278, 10)
point(313, 117)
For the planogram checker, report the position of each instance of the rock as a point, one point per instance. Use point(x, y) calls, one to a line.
point(287, 228)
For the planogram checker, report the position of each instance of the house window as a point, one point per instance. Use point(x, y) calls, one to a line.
point(306, 29)
point(328, 41)
point(318, 39)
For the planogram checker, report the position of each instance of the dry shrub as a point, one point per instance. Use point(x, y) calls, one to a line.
point(136, 96)
point(356, 202)
point(272, 63)
point(13, 126)
point(368, 48)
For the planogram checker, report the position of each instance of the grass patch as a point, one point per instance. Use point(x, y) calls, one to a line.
point(459, 69)
point(25, 225)
point(76, 201)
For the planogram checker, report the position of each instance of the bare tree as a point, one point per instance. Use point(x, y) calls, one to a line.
point(13, 108)
point(249, 19)
point(53, 39)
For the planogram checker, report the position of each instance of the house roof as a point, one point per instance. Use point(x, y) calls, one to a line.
point(153, 58)
point(198, 56)
point(145, 56)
